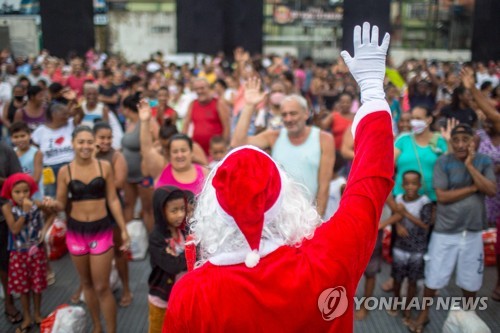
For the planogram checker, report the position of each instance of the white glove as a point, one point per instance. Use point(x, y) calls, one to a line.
point(368, 65)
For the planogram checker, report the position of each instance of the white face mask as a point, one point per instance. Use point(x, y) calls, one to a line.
point(173, 89)
point(418, 125)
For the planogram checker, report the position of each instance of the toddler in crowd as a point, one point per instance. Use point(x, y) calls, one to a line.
point(28, 261)
point(217, 150)
point(166, 248)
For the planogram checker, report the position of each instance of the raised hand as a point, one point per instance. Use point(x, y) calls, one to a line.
point(467, 76)
point(144, 110)
point(368, 64)
point(446, 131)
point(253, 94)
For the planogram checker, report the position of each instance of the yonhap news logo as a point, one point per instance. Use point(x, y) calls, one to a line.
point(333, 303)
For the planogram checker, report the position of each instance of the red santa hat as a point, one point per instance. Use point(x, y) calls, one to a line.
point(248, 189)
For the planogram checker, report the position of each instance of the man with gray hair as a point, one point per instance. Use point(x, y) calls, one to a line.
point(305, 152)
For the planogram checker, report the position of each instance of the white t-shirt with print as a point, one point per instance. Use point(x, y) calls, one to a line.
point(55, 144)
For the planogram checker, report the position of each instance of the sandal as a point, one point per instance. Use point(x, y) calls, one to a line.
point(26, 329)
point(51, 278)
point(15, 318)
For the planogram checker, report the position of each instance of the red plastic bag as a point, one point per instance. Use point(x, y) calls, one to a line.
point(190, 252)
point(55, 240)
point(64, 319)
point(489, 241)
point(386, 245)
point(48, 322)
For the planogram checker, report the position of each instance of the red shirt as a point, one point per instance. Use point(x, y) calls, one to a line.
point(281, 293)
point(168, 113)
point(339, 125)
point(76, 83)
point(206, 122)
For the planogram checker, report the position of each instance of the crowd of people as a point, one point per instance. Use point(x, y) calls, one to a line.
point(97, 134)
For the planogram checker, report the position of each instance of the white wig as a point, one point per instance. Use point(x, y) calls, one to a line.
point(296, 220)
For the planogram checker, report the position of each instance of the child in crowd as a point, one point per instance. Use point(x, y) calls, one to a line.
point(28, 261)
point(375, 263)
point(30, 157)
point(166, 248)
point(31, 160)
point(337, 186)
point(414, 213)
point(404, 123)
point(217, 150)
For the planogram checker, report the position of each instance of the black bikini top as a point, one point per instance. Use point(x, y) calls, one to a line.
point(94, 190)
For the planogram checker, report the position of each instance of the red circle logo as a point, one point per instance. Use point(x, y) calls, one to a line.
point(332, 303)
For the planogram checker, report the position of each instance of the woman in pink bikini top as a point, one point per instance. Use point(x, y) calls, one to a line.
point(181, 171)
point(176, 169)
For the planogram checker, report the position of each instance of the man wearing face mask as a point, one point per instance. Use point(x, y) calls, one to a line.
point(462, 180)
point(419, 150)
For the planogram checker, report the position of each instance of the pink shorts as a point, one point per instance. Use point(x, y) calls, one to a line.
point(27, 272)
point(93, 238)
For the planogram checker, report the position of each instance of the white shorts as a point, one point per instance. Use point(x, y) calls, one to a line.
point(463, 250)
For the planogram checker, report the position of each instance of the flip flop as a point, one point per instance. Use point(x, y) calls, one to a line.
point(51, 278)
point(15, 318)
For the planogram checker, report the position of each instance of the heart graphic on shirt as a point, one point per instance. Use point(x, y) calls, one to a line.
point(59, 140)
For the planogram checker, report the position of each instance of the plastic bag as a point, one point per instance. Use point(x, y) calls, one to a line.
point(386, 245)
point(114, 279)
point(489, 242)
point(460, 321)
point(138, 240)
point(65, 319)
point(55, 240)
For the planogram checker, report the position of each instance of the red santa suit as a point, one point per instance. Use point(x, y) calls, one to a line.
point(281, 293)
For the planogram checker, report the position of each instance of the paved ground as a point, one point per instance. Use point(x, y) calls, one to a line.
point(134, 318)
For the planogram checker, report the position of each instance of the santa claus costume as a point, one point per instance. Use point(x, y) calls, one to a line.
point(268, 263)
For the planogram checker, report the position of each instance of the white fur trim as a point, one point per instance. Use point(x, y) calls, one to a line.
point(240, 256)
point(368, 108)
point(252, 259)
